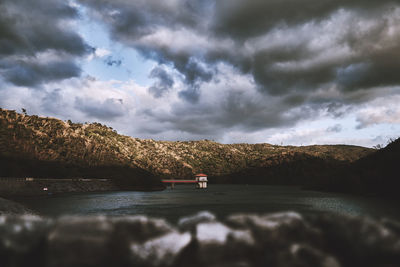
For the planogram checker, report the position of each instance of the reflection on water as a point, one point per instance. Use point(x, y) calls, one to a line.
point(219, 199)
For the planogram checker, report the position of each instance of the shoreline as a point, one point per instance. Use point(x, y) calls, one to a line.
point(33, 187)
point(12, 207)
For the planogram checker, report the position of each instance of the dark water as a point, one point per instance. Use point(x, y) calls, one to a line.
point(219, 199)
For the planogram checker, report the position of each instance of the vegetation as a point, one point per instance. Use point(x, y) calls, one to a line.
point(31, 146)
point(48, 147)
point(378, 172)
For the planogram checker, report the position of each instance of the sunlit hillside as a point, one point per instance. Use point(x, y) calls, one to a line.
point(50, 139)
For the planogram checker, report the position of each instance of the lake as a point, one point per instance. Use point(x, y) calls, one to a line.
point(221, 200)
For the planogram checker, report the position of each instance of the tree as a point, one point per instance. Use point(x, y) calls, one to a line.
point(378, 146)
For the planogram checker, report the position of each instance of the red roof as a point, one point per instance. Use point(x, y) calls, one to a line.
point(201, 175)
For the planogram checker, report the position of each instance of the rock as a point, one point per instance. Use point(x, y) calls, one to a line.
point(218, 243)
point(305, 255)
point(359, 241)
point(161, 251)
point(23, 240)
point(139, 228)
point(133, 234)
point(280, 239)
point(79, 241)
point(105, 241)
point(190, 223)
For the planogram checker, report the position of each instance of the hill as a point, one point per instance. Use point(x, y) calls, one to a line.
point(375, 174)
point(378, 172)
point(92, 145)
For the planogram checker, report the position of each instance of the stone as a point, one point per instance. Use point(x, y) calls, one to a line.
point(152, 237)
point(79, 241)
point(359, 241)
point(241, 240)
point(189, 223)
point(22, 240)
point(161, 251)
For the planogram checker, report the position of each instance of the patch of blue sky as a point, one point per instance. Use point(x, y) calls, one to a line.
point(348, 133)
point(380, 133)
point(370, 134)
point(133, 66)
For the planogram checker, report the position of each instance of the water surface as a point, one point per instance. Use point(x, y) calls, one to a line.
point(222, 200)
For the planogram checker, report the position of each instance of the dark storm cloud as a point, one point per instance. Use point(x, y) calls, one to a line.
point(163, 84)
point(246, 18)
point(236, 110)
point(193, 71)
point(27, 27)
point(311, 55)
point(190, 94)
point(109, 109)
point(273, 67)
point(31, 29)
point(336, 109)
point(132, 20)
point(194, 74)
point(23, 73)
point(188, 65)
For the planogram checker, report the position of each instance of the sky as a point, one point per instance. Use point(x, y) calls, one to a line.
point(287, 72)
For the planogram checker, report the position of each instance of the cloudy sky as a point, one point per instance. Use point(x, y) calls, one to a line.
point(284, 72)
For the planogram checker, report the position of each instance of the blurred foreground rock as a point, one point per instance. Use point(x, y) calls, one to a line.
point(282, 239)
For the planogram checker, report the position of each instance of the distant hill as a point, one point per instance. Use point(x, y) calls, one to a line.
point(297, 169)
point(28, 142)
point(379, 172)
point(374, 174)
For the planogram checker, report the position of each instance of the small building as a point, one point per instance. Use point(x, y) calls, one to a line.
point(201, 180)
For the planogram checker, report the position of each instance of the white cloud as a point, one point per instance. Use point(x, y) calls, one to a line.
point(379, 111)
point(102, 52)
point(278, 84)
point(99, 53)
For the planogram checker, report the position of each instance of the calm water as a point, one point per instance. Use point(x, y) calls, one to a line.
point(219, 199)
